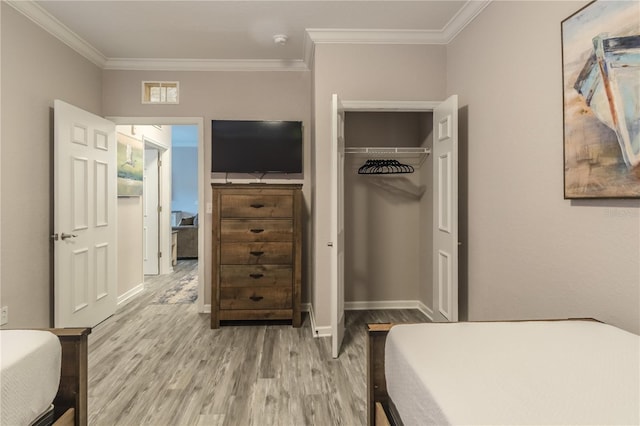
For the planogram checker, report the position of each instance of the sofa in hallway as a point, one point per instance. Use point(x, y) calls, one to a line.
point(187, 228)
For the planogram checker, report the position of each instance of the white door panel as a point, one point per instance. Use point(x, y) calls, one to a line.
point(85, 228)
point(151, 215)
point(445, 211)
point(337, 225)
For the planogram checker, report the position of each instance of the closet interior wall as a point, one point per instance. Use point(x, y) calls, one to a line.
point(388, 243)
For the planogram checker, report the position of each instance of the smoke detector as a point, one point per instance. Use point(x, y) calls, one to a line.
point(280, 39)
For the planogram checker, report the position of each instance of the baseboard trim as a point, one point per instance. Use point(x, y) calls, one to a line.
point(315, 330)
point(322, 332)
point(390, 304)
point(387, 304)
point(126, 297)
point(425, 310)
point(361, 306)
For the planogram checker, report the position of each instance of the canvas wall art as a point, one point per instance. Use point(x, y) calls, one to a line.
point(130, 166)
point(601, 82)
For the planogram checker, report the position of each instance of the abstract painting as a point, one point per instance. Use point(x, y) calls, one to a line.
point(130, 166)
point(601, 92)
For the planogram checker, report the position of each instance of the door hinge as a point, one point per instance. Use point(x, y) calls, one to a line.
point(159, 209)
point(159, 254)
point(159, 162)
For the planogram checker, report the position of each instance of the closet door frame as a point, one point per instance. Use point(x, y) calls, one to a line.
point(393, 106)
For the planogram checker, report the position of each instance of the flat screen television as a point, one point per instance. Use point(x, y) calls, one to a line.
point(256, 146)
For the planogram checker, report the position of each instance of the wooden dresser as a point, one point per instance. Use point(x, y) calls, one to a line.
point(257, 246)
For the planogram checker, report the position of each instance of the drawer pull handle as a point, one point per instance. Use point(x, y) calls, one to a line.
point(257, 231)
point(256, 276)
point(256, 298)
point(257, 206)
point(257, 253)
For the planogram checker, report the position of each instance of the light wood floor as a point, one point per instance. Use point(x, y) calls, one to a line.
point(158, 365)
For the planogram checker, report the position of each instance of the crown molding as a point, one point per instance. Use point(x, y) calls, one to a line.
point(127, 64)
point(313, 36)
point(53, 26)
point(359, 36)
point(308, 50)
point(465, 15)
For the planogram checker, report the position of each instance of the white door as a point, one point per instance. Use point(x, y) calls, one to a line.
point(337, 225)
point(151, 213)
point(85, 229)
point(445, 211)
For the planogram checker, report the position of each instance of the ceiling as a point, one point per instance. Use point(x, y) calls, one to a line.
point(239, 34)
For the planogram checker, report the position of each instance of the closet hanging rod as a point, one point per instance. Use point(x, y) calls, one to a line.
point(414, 156)
point(385, 150)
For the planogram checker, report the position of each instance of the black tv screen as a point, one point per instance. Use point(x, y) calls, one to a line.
point(253, 146)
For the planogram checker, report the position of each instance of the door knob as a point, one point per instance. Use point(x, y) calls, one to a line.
point(64, 236)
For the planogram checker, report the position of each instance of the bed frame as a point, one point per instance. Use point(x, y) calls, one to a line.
point(379, 405)
point(380, 408)
point(70, 403)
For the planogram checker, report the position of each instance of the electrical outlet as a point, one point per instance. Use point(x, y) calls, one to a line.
point(4, 316)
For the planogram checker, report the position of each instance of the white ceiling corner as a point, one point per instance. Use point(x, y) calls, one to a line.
point(308, 49)
point(49, 23)
point(463, 18)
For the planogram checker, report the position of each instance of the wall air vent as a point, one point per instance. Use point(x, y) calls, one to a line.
point(160, 92)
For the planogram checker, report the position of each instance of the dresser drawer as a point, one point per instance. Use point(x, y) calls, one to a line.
point(258, 205)
point(250, 230)
point(255, 275)
point(255, 297)
point(256, 253)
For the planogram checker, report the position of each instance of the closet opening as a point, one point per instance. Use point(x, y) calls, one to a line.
point(394, 218)
point(388, 209)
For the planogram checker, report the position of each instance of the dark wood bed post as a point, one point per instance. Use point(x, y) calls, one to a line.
point(72, 393)
point(376, 382)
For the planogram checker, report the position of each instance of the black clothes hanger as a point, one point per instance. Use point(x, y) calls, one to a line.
point(384, 167)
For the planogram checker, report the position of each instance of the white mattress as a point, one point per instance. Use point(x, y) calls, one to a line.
point(514, 373)
point(30, 374)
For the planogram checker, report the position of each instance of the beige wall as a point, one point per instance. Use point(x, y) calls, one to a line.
point(384, 258)
point(360, 72)
point(532, 254)
point(36, 69)
point(130, 244)
point(219, 95)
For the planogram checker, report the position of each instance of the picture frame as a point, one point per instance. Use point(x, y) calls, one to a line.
point(601, 100)
point(130, 166)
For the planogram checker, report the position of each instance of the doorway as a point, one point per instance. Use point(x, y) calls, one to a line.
point(185, 220)
point(165, 233)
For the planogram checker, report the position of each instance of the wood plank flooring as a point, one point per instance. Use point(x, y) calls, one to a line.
point(154, 364)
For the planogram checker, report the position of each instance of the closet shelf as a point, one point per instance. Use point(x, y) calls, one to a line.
point(413, 156)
